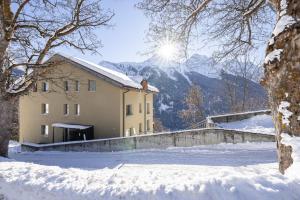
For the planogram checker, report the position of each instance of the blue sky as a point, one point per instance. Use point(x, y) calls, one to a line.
point(125, 40)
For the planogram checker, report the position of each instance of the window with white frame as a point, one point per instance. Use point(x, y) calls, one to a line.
point(129, 110)
point(66, 109)
point(66, 85)
point(132, 131)
point(45, 86)
point(45, 108)
point(77, 86)
point(77, 109)
point(45, 130)
point(92, 85)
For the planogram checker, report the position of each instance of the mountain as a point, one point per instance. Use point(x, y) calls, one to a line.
point(174, 80)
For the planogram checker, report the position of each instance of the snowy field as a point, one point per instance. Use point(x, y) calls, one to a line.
point(224, 171)
point(258, 124)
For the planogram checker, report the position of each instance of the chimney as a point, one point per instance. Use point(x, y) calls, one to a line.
point(144, 83)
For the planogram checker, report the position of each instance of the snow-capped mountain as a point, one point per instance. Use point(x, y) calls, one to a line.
point(174, 80)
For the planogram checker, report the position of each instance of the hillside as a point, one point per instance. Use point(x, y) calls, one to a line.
point(174, 80)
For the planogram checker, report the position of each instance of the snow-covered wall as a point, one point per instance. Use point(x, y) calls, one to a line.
point(185, 138)
point(237, 116)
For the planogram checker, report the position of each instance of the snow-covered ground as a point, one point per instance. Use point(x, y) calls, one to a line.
point(259, 124)
point(224, 171)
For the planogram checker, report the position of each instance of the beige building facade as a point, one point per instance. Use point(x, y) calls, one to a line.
point(79, 100)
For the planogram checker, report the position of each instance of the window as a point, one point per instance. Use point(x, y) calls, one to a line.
point(148, 108)
point(77, 109)
point(148, 125)
point(92, 85)
point(132, 131)
point(77, 86)
point(140, 108)
point(45, 86)
point(34, 88)
point(66, 85)
point(45, 108)
point(45, 130)
point(140, 128)
point(129, 110)
point(66, 109)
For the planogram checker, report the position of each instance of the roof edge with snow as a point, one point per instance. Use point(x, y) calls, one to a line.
point(116, 78)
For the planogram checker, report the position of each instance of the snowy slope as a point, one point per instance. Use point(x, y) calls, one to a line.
point(225, 171)
point(174, 80)
point(257, 124)
point(196, 63)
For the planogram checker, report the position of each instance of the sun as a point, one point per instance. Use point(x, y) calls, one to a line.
point(167, 50)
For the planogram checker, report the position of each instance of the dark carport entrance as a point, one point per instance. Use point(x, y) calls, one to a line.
point(74, 132)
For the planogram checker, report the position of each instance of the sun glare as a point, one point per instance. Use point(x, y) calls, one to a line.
point(167, 50)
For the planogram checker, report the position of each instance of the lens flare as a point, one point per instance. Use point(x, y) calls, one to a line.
point(167, 50)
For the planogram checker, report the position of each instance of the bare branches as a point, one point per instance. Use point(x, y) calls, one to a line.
point(38, 27)
point(238, 25)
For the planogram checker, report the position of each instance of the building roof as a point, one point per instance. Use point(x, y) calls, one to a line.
point(118, 78)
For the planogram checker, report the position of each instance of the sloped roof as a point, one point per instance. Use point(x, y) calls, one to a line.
point(118, 78)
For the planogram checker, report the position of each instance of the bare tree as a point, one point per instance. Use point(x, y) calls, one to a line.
point(237, 88)
point(240, 26)
point(158, 126)
point(30, 31)
point(193, 101)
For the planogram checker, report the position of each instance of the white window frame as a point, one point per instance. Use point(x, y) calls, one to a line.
point(77, 86)
point(66, 109)
point(131, 110)
point(92, 87)
point(77, 109)
point(45, 108)
point(45, 86)
point(44, 130)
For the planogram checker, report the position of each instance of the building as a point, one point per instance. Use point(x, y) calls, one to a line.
point(79, 100)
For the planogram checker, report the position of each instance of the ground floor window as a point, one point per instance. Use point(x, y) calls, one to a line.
point(45, 130)
point(77, 109)
point(148, 125)
point(140, 128)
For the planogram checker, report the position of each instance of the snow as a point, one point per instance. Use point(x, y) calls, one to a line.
point(114, 75)
point(294, 142)
point(284, 22)
point(286, 114)
point(273, 55)
point(224, 171)
point(258, 124)
point(74, 126)
point(163, 107)
point(14, 146)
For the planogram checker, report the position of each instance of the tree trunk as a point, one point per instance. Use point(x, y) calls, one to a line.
point(282, 78)
point(7, 123)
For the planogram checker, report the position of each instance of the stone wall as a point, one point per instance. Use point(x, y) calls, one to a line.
point(185, 138)
point(234, 117)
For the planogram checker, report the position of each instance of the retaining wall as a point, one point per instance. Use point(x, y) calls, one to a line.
point(186, 138)
point(236, 116)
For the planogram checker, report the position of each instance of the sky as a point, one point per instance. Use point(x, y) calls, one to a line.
point(125, 40)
